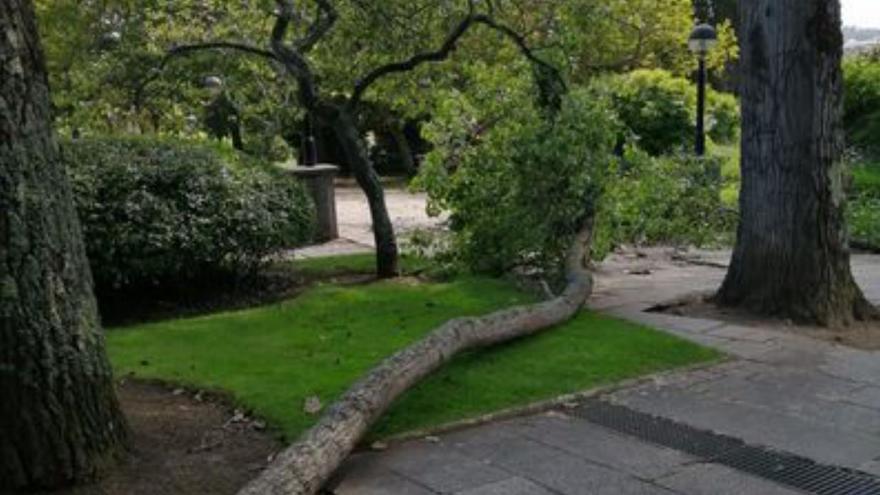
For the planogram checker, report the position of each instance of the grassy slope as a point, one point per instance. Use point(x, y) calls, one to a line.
point(272, 358)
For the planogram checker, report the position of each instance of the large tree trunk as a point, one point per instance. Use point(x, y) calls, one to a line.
point(303, 468)
point(383, 231)
point(792, 257)
point(60, 422)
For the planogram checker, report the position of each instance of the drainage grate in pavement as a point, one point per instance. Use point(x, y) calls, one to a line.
point(781, 467)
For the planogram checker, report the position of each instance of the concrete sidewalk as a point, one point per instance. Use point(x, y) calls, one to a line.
point(783, 391)
point(406, 210)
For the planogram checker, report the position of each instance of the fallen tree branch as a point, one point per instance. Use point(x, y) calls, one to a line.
point(304, 467)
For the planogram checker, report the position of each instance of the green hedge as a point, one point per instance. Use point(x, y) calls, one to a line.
point(156, 212)
point(659, 111)
point(862, 102)
point(864, 207)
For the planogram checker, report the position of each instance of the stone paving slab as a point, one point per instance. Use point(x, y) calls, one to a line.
point(510, 486)
point(602, 446)
point(443, 470)
point(757, 425)
point(712, 479)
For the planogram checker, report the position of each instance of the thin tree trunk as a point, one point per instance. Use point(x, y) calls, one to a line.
point(303, 468)
point(60, 422)
point(383, 231)
point(792, 257)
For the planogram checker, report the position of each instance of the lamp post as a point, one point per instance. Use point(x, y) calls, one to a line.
point(702, 40)
point(213, 84)
point(310, 146)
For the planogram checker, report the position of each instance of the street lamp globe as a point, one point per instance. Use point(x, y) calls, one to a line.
point(213, 84)
point(703, 39)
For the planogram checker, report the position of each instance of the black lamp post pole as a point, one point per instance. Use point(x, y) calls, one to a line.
point(310, 146)
point(700, 146)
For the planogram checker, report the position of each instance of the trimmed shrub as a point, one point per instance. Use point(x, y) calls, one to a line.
point(158, 213)
point(658, 111)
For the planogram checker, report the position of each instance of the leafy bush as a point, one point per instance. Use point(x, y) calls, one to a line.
point(156, 212)
point(666, 200)
point(864, 221)
point(659, 110)
point(862, 102)
point(517, 192)
point(864, 206)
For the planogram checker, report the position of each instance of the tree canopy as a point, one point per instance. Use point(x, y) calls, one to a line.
point(103, 56)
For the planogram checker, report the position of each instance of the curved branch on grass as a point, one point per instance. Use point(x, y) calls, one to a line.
point(304, 467)
point(450, 44)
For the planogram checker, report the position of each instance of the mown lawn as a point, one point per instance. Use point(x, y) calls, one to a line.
point(271, 358)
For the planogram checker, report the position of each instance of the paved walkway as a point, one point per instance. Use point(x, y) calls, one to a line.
point(779, 390)
point(782, 391)
point(406, 209)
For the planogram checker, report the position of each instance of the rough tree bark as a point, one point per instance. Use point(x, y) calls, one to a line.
point(303, 468)
point(792, 257)
point(60, 422)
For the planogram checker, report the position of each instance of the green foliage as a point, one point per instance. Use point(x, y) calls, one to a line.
point(271, 359)
point(666, 200)
point(731, 173)
point(102, 87)
point(659, 110)
point(160, 212)
point(105, 87)
point(864, 207)
point(862, 102)
point(517, 186)
point(864, 220)
point(600, 36)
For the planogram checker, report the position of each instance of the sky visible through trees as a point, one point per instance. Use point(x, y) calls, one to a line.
point(861, 13)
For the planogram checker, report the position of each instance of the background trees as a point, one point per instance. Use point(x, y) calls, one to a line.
point(59, 419)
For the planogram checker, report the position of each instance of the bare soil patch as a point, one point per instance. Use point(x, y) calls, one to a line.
point(184, 443)
point(863, 335)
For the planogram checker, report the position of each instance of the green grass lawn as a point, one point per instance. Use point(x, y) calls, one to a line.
point(271, 358)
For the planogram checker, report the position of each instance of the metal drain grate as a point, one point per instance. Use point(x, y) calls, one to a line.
point(780, 467)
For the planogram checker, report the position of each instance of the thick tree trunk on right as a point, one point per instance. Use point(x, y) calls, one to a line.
point(60, 422)
point(792, 257)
